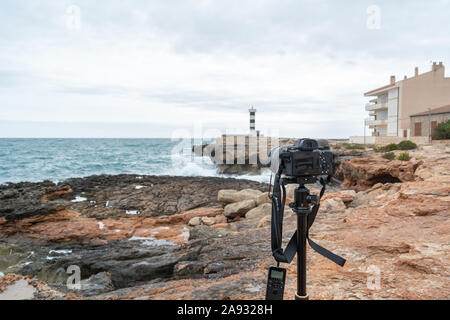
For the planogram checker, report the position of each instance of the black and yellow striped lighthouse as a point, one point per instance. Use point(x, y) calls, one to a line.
point(252, 120)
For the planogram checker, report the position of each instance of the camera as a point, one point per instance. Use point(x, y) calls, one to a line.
point(304, 159)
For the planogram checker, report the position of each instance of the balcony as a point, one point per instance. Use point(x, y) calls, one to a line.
point(371, 122)
point(376, 106)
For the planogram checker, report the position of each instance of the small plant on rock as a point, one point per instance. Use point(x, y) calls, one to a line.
point(389, 156)
point(406, 145)
point(354, 146)
point(404, 156)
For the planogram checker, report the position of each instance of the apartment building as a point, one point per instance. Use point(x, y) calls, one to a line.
point(392, 105)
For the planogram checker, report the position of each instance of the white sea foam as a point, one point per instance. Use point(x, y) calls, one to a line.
point(67, 251)
point(79, 199)
point(152, 241)
point(132, 212)
point(204, 167)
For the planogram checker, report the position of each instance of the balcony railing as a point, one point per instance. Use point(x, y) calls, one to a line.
point(371, 122)
point(375, 106)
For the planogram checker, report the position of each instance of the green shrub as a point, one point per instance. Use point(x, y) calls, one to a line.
point(406, 145)
point(389, 155)
point(391, 147)
point(388, 148)
point(442, 131)
point(353, 146)
point(404, 156)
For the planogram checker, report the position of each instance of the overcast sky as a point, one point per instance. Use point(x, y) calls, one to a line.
point(149, 68)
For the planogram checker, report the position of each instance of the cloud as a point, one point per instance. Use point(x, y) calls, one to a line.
point(170, 64)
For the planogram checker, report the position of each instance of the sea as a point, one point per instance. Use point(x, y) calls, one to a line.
point(35, 160)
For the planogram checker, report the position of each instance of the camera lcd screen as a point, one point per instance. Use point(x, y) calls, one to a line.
point(276, 274)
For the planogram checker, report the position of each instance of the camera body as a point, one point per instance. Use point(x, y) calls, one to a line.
point(303, 159)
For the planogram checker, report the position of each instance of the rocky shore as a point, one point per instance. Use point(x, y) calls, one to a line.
point(148, 237)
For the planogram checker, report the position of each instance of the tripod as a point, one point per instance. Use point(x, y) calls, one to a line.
point(301, 206)
point(306, 207)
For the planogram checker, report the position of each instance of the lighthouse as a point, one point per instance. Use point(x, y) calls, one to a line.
point(252, 120)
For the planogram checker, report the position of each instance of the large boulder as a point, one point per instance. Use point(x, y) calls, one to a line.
point(260, 211)
point(239, 209)
point(231, 196)
point(263, 198)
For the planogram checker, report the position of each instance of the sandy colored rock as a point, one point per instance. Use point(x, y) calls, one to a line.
point(239, 209)
point(263, 198)
point(260, 211)
point(208, 221)
point(333, 204)
point(196, 221)
point(232, 196)
point(264, 222)
point(345, 195)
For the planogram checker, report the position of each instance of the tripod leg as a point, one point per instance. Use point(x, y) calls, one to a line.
point(302, 222)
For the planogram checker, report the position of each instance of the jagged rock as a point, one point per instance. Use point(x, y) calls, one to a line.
point(363, 173)
point(239, 209)
point(259, 212)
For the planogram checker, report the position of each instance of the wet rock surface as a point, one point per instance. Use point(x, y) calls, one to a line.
point(394, 235)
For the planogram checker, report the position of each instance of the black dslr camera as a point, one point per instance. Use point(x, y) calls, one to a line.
point(305, 159)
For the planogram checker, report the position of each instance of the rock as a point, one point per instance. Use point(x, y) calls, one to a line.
point(346, 195)
point(264, 222)
point(260, 211)
point(196, 221)
point(360, 199)
point(186, 216)
point(205, 232)
point(96, 284)
point(208, 221)
point(263, 198)
point(226, 196)
point(363, 173)
point(232, 196)
point(220, 219)
point(239, 208)
point(333, 204)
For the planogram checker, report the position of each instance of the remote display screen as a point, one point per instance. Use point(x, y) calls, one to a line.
point(276, 274)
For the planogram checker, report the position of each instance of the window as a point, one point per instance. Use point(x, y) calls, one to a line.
point(418, 129)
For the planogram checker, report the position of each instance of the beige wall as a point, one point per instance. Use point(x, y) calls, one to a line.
point(417, 94)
